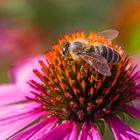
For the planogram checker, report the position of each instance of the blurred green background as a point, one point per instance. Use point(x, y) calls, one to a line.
point(29, 27)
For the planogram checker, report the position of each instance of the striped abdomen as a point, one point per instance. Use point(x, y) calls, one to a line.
point(109, 53)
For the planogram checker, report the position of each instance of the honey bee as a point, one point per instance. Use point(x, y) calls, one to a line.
point(98, 55)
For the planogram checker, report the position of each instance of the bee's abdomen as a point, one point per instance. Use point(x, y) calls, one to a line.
point(109, 53)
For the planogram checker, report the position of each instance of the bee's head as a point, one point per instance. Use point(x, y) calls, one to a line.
point(74, 47)
point(65, 48)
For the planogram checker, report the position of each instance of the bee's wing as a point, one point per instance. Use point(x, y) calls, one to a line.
point(96, 61)
point(109, 34)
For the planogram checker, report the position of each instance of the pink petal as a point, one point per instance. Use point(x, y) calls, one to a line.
point(84, 132)
point(44, 130)
point(22, 72)
point(89, 132)
point(136, 103)
point(10, 93)
point(11, 124)
point(120, 130)
point(35, 132)
point(137, 94)
point(95, 134)
point(66, 131)
point(73, 134)
point(133, 111)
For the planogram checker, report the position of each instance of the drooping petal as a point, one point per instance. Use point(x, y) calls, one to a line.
point(35, 132)
point(132, 111)
point(65, 131)
point(12, 121)
point(9, 128)
point(89, 132)
point(44, 130)
point(10, 93)
point(16, 109)
point(120, 130)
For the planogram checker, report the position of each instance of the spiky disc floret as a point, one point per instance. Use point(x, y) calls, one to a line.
point(73, 90)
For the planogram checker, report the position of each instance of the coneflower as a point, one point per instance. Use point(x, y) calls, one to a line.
point(70, 99)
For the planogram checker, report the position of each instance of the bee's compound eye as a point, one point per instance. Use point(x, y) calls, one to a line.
point(64, 50)
point(65, 47)
point(76, 46)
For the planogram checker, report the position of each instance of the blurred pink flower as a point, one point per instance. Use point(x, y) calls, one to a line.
point(65, 104)
point(18, 40)
point(136, 60)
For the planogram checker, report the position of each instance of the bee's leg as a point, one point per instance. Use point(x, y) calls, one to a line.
point(95, 74)
point(82, 71)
